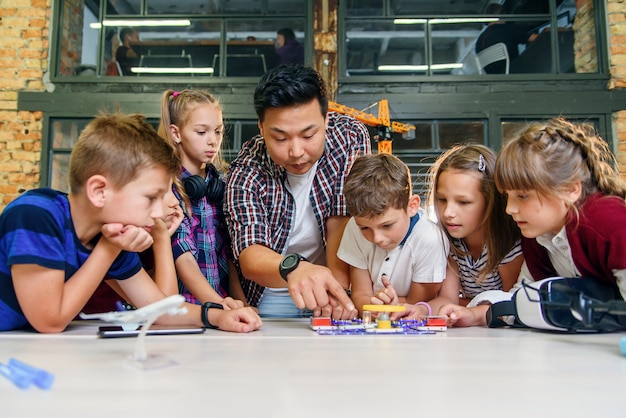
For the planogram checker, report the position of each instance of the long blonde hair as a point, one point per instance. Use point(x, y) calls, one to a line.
point(175, 109)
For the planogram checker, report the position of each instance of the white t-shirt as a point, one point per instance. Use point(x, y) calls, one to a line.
point(421, 259)
point(304, 238)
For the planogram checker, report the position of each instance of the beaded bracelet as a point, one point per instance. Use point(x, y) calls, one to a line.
point(430, 310)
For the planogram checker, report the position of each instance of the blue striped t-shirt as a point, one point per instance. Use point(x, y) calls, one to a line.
point(37, 228)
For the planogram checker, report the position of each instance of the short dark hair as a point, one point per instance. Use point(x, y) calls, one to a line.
point(289, 85)
point(126, 31)
point(287, 34)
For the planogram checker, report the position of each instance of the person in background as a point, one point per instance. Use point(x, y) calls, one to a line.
point(55, 248)
point(125, 55)
point(284, 197)
point(566, 195)
point(510, 33)
point(288, 49)
point(191, 121)
point(396, 254)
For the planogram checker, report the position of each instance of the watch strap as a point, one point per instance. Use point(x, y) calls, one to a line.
point(204, 314)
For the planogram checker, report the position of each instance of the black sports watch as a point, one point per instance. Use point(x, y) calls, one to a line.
point(205, 313)
point(289, 263)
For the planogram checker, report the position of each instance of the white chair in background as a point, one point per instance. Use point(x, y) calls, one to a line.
point(489, 55)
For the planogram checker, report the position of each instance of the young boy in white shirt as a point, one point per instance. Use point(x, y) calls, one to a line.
point(396, 255)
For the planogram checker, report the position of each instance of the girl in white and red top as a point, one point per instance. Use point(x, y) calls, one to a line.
point(565, 194)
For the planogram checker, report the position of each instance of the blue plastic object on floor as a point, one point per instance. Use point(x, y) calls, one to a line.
point(23, 375)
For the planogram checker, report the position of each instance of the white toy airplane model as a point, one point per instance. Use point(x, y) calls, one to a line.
point(171, 305)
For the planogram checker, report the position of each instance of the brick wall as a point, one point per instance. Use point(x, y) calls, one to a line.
point(616, 16)
point(72, 35)
point(24, 30)
point(616, 13)
point(585, 51)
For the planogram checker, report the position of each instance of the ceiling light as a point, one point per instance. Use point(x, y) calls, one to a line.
point(444, 21)
point(463, 20)
point(450, 66)
point(169, 70)
point(409, 21)
point(133, 23)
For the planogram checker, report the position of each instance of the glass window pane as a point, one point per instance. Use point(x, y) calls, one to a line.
point(419, 164)
point(194, 49)
point(239, 7)
point(382, 47)
point(172, 50)
point(177, 7)
point(511, 128)
point(453, 46)
point(237, 133)
point(60, 169)
point(421, 140)
point(64, 132)
point(364, 7)
point(537, 55)
point(63, 135)
point(251, 45)
point(467, 7)
point(249, 130)
point(127, 7)
point(534, 43)
point(435, 7)
point(299, 7)
point(79, 40)
point(176, 46)
point(451, 133)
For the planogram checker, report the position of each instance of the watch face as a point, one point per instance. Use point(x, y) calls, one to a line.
point(288, 264)
point(291, 261)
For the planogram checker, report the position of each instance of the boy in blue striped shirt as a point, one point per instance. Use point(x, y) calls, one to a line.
point(56, 248)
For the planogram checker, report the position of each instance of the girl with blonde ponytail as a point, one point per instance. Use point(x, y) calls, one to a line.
point(192, 124)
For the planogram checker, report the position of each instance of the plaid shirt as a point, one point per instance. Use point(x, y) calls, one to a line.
point(259, 208)
point(204, 234)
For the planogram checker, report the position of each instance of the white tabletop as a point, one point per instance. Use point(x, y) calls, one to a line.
point(287, 370)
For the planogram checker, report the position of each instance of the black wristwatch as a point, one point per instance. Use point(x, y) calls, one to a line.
point(205, 313)
point(289, 263)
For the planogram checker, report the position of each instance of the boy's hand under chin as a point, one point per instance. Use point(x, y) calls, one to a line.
point(127, 237)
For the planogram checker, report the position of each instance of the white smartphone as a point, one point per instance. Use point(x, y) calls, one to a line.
point(116, 331)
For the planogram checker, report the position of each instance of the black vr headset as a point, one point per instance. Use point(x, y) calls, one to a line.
point(562, 304)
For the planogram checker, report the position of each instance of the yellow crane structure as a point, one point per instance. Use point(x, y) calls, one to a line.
point(386, 127)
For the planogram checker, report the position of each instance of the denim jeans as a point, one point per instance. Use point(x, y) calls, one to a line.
point(278, 304)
